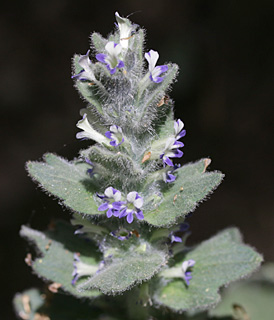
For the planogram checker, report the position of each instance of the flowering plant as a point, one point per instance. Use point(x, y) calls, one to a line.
point(127, 240)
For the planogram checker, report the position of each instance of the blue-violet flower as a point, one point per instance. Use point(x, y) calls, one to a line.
point(152, 58)
point(112, 58)
point(125, 29)
point(90, 171)
point(172, 147)
point(171, 151)
point(133, 205)
point(121, 234)
point(187, 274)
point(168, 176)
point(178, 129)
point(112, 203)
point(86, 73)
point(174, 238)
point(115, 134)
point(183, 227)
point(81, 269)
point(88, 132)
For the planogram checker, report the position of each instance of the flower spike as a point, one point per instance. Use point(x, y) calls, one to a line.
point(152, 58)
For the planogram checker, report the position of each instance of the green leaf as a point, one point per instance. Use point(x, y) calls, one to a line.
point(149, 95)
point(28, 303)
point(167, 128)
point(33, 305)
point(193, 184)
point(158, 89)
point(137, 46)
point(219, 261)
point(98, 41)
point(254, 297)
point(57, 250)
point(67, 181)
point(90, 90)
point(117, 167)
point(133, 266)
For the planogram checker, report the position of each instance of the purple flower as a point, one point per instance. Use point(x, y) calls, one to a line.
point(90, 170)
point(125, 29)
point(112, 58)
point(86, 73)
point(133, 205)
point(172, 148)
point(152, 58)
point(112, 203)
point(168, 176)
point(171, 151)
point(178, 129)
point(174, 238)
point(183, 227)
point(121, 234)
point(115, 134)
point(81, 269)
point(187, 274)
point(88, 132)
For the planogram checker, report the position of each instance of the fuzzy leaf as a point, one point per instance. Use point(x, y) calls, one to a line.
point(158, 90)
point(137, 46)
point(133, 266)
point(28, 303)
point(219, 261)
point(116, 168)
point(253, 297)
point(167, 128)
point(192, 185)
point(33, 304)
point(148, 98)
point(67, 181)
point(56, 261)
point(98, 42)
point(90, 90)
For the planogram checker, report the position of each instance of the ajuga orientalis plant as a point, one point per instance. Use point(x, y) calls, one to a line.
point(125, 254)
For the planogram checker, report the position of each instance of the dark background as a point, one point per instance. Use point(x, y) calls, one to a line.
point(224, 94)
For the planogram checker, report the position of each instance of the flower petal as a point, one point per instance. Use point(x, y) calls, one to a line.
point(109, 213)
point(139, 215)
point(109, 192)
point(123, 213)
point(152, 58)
point(101, 57)
point(131, 196)
point(130, 217)
point(138, 203)
point(103, 207)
